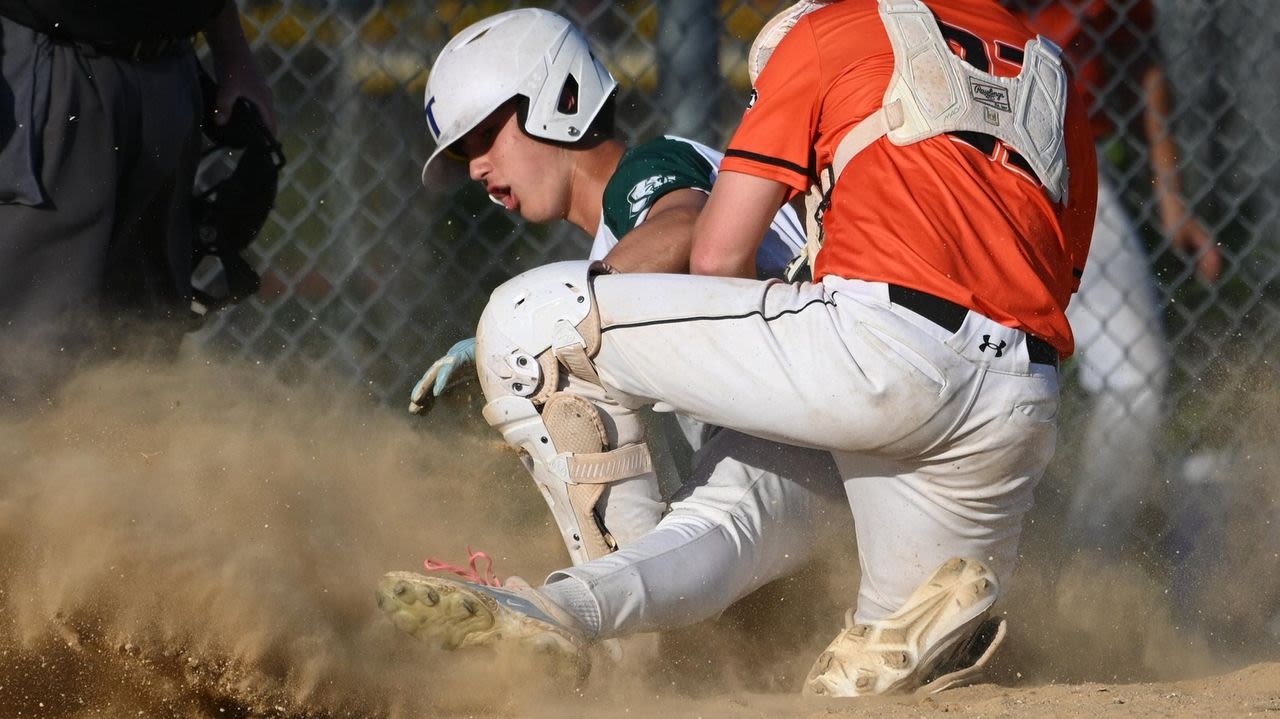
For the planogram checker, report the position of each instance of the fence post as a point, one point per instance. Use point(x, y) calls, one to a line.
point(689, 84)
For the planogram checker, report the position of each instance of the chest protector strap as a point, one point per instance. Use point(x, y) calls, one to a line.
point(933, 91)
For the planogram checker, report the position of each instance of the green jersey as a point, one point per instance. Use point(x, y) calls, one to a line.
point(649, 171)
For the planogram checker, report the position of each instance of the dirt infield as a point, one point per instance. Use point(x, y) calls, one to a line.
point(201, 540)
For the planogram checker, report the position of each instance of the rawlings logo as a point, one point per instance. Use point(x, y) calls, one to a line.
point(989, 95)
point(643, 190)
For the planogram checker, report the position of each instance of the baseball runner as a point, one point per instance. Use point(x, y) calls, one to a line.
point(640, 204)
point(1124, 357)
point(953, 208)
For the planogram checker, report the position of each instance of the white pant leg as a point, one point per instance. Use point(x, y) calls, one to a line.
point(969, 501)
point(753, 512)
point(632, 507)
point(1124, 363)
point(835, 366)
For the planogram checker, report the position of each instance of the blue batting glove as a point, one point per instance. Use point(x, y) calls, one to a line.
point(435, 380)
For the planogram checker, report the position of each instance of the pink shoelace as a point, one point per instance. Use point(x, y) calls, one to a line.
point(488, 579)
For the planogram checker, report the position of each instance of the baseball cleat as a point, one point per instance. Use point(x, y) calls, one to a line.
point(450, 614)
point(967, 663)
point(940, 638)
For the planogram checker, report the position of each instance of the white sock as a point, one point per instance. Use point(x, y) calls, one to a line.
point(575, 598)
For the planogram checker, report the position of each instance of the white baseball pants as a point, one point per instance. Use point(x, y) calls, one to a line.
point(938, 437)
point(753, 511)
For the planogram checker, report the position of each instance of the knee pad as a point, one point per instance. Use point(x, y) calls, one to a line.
point(535, 324)
point(565, 447)
point(535, 340)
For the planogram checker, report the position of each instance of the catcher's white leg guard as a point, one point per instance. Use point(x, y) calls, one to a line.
point(533, 325)
point(940, 638)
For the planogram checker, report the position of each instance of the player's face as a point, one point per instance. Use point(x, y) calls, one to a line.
point(518, 171)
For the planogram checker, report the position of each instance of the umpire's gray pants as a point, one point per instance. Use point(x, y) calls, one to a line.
point(97, 161)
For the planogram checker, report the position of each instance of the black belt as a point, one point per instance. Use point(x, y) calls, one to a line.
point(149, 50)
point(949, 316)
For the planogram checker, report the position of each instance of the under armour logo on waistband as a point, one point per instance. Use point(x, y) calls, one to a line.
point(988, 344)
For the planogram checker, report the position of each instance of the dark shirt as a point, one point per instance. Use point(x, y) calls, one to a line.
point(112, 21)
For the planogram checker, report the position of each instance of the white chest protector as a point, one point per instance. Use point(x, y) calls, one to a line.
point(933, 91)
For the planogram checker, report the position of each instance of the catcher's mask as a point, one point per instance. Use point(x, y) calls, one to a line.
point(228, 214)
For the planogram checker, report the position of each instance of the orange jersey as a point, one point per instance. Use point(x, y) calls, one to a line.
point(960, 215)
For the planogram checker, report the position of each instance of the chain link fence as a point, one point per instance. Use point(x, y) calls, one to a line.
point(368, 277)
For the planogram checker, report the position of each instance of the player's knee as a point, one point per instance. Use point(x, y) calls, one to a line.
point(537, 327)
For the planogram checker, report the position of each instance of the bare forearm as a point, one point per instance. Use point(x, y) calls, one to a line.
point(660, 244)
point(1185, 231)
point(227, 43)
point(732, 225)
point(1163, 150)
point(722, 260)
point(237, 72)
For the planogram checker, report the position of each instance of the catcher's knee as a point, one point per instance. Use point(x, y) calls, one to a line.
point(537, 326)
point(535, 339)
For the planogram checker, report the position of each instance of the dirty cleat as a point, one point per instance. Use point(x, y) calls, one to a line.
point(968, 661)
point(450, 614)
point(940, 638)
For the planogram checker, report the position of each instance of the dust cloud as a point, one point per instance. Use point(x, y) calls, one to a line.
point(191, 537)
point(200, 539)
point(1198, 593)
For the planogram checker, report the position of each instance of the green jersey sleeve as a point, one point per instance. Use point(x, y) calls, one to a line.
point(646, 173)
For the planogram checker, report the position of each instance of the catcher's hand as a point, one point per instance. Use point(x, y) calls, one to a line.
point(436, 378)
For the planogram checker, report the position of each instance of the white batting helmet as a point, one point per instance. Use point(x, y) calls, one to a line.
point(532, 53)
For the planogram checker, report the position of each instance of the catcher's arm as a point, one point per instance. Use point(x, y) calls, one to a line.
point(729, 230)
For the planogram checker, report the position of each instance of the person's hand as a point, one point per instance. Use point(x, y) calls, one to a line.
point(235, 71)
point(1192, 238)
point(436, 378)
point(244, 81)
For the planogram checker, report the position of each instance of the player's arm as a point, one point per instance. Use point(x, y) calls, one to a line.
point(767, 160)
point(237, 72)
point(1185, 231)
point(729, 230)
point(662, 242)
